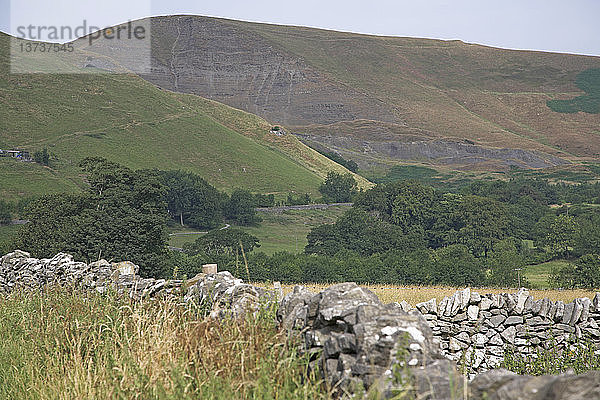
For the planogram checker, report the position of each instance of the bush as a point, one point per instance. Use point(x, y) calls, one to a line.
point(584, 273)
point(579, 356)
point(42, 157)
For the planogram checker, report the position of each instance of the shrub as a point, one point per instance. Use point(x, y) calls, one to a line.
point(338, 188)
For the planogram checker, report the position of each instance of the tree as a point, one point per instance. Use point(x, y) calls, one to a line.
point(42, 157)
point(359, 231)
point(241, 208)
point(560, 235)
point(584, 273)
point(587, 239)
point(483, 222)
point(502, 262)
point(192, 200)
point(455, 265)
point(412, 207)
point(121, 216)
point(338, 188)
point(349, 164)
point(5, 212)
point(223, 241)
point(587, 271)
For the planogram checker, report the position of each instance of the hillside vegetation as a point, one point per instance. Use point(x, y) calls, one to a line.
point(362, 95)
point(130, 121)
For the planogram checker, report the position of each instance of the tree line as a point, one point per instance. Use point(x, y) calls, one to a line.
point(401, 232)
point(406, 232)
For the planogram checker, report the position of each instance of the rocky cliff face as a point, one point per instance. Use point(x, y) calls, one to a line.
point(309, 79)
point(374, 153)
point(223, 62)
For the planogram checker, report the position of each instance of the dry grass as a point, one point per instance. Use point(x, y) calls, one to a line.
point(417, 294)
point(68, 346)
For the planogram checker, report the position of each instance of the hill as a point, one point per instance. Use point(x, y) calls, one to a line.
point(128, 120)
point(380, 100)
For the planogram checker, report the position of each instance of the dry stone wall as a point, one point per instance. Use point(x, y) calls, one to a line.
point(480, 328)
point(357, 344)
point(218, 294)
point(353, 340)
point(20, 271)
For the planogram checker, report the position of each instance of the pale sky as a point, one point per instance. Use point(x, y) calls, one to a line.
point(571, 26)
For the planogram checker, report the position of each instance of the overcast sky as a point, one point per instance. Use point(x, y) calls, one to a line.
point(551, 25)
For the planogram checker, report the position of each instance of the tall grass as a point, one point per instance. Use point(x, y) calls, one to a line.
point(581, 356)
point(62, 345)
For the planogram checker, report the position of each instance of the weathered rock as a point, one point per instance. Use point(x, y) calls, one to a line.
point(501, 384)
point(496, 340)
point(545, 308)
point(479, 340)
point(595, 306)
point(404, 306)
point(473, 312)
point(291, 313)
point(521, 298)
point(509, 334)
point(568, 312)
point(485, 304)
point(496, 320)
point(427, 307)
point(513, 320)
point(560, 310)
point(227, 296)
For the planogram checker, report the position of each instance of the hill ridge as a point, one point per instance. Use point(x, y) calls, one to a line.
point(310, 78)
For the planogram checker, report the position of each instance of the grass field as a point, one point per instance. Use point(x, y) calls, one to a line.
point(538, 274)
point(285, 231)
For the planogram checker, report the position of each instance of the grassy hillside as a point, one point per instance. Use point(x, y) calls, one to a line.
point(351, 92)
point(128, 120)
